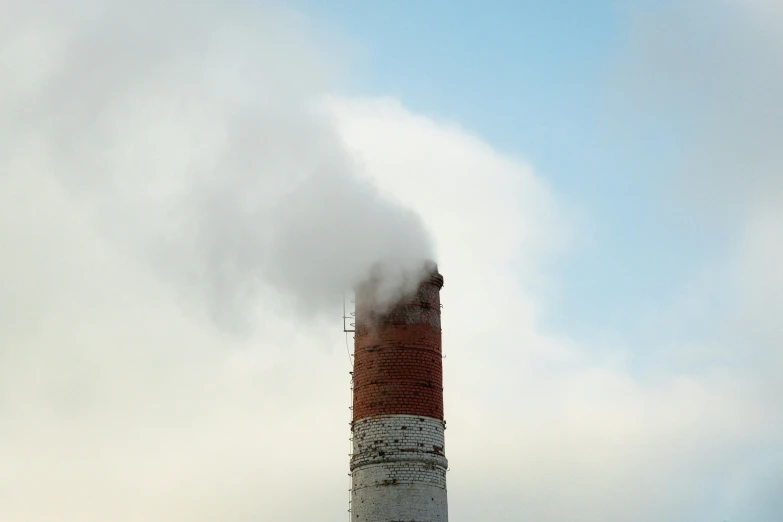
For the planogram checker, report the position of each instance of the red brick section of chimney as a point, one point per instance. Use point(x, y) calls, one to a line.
point(397, 357)
point(398, 465)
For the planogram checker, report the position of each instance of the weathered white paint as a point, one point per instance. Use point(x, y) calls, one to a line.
point(399, 470)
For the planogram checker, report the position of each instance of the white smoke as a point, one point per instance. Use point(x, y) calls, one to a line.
point(193, 135)
point(160, 160)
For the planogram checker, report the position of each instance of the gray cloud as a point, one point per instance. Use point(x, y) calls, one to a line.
point(118, 401)
point(710, 74)
point(712, 71)
point(196, 139)
point(541, 425)
point(163, 165)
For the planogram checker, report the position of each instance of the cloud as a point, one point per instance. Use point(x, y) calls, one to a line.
point(714, 76)
point(167, 178)
point(542, 425)
point(132, 211)
point(199, 143)
point(711, 73)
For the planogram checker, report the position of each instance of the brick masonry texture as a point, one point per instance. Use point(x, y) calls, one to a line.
point(398, 438)
point(398, 366)
point(401, 503)
point(398, 466)
point(388, 476)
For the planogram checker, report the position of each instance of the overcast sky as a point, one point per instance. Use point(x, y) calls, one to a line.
point(186, 190)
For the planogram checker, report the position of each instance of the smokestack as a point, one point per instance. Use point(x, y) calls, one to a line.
point(398, 465)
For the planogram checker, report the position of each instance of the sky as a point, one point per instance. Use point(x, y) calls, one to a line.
point(187, 189)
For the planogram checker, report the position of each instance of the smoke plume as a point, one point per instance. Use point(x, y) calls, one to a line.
point(194, 137)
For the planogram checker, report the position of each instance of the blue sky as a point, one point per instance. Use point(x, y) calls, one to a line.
point(178, 231)
point(539, 80)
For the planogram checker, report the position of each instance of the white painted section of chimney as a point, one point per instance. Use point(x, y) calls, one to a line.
point(399, 470)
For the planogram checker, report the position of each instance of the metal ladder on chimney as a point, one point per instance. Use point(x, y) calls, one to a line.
point(349, 328)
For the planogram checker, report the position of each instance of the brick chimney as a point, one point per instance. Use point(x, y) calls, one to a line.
point(398, 464)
